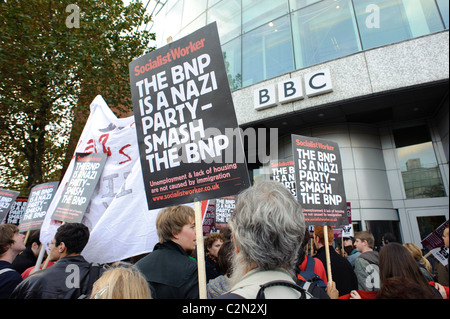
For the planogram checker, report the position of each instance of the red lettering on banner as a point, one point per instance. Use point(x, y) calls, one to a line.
point(103, 138)
point(121, 152)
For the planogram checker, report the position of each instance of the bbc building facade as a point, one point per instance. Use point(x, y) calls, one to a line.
point(371, 75)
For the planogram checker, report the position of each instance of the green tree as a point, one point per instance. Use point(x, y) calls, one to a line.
point(55, 57)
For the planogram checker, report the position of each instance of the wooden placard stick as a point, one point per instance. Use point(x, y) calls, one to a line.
point(200, 250)
point(327, 253)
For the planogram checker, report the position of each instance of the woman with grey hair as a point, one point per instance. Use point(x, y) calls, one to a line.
point(268, 228)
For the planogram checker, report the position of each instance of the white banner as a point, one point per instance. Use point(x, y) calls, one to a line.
point(119, 221)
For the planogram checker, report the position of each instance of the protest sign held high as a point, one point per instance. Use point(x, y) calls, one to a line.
point(38, 202)
point(284, 172)
point(77, 193)
point(16, 211)
point(183, 107)
point(7, 198)
point(320, 185)
point(118, 215)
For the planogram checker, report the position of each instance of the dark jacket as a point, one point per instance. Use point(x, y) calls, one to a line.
point(9, 279)
point(170, 273)
point(341, 271)
point(24, 261)
point(68, 278)
point(211, 267)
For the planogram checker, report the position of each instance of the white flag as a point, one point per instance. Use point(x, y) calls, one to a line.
point(119, 221)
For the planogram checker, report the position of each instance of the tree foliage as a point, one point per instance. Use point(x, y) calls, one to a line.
point(50, 71)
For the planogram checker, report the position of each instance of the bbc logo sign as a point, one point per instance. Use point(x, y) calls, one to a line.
point(315, 83)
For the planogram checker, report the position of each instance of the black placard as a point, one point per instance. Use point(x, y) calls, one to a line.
point(80, 187)
point(320, 185)
point(7, 198)
point(186, 124)
point(38, 202)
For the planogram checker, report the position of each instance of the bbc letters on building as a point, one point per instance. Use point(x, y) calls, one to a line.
point(315, 83)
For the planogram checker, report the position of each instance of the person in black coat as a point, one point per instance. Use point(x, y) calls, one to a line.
point(71, 277)
point(341, 270)
point(168, 269)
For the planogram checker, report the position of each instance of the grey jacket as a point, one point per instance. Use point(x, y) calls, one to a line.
point(367, 271)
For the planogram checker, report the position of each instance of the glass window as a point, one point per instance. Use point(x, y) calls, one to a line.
point(228, 17)
point(258, 12)
point(192, 9)
point(194, 25)
point(443, 8)
point(232, 57)
point(267, 52)
point(298, 4)
point(383, 22)
point(324, 31)
point(381, 227)
point(172, 29)
point(417, 160)
point(213, 2)
point(428, 224)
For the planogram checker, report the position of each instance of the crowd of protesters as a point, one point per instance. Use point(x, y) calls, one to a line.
point(263, 254)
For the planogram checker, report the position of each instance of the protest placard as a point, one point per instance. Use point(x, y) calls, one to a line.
point(17, 209)
point(209, 217)
point(224, 209)
point(284, 172)
point(78, 192)
point(435, 244)
point(7, 198)
point(38, 202)
point(320, 185)
point(186, 123)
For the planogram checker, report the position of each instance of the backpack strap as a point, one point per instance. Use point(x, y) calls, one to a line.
point(94, 274)
point(4, 270)
point(284, 283)
point(310, 264)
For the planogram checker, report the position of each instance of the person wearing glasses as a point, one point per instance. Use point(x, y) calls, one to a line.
point(71, 277)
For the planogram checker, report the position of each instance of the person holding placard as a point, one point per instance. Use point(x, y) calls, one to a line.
point(341, 270)
point(169, 271)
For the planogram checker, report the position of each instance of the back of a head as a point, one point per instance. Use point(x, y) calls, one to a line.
point(396, 261)
point(269, 226)
point(225, 257)
point(75, 236)
point(122, 281)
point(404, 288)
point(319, 232)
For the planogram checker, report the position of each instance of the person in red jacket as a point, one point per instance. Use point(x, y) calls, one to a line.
point(302, 262)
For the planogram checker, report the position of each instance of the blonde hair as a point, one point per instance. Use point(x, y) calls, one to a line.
point(171, 220)
point(418, 256)
point(121, 281)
